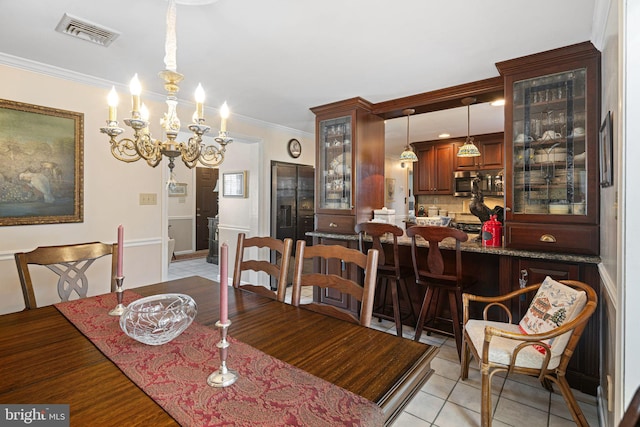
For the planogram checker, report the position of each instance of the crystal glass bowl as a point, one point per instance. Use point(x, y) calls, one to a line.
point(158, 319)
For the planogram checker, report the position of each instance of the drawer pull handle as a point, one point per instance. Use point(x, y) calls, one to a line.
point(548, 238)
point(333, 224)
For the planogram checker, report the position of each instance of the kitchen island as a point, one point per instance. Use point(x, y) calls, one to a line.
point(498, 271)
point(472, 246)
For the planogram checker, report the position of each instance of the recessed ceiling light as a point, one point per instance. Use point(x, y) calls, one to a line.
point(444, 135)
point(497, 103)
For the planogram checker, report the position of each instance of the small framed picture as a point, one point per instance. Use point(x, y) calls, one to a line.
point(179, 189)
point(606, 152)
point(234, 184)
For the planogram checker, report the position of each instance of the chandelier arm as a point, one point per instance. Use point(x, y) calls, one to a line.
point(124, 150)
point(148, 148)
point(191, 150)
point(211, 156)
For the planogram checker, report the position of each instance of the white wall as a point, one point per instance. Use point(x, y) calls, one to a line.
point(111, 191)
point(629, 294)
point(112, 188)
point(618, 37)
point(607, 42)
point(393, 169)
point(252, 214)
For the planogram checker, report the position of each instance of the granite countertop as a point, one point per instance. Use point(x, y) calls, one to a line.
point(472, 246)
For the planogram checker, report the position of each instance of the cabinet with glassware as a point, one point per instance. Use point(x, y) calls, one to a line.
point(349, 164)
point(551, 134)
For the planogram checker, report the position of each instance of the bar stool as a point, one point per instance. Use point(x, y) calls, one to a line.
point(389, 270)
point(432, 274)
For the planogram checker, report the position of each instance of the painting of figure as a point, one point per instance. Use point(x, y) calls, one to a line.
point(40, 164)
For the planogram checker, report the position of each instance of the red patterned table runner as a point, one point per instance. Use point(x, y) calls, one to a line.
point(269, 392)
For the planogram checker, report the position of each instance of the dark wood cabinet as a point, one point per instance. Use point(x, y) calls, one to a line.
point(583, 370)
point(349, 164)
point(491, 147)
point(552, 116)
point(433, 172)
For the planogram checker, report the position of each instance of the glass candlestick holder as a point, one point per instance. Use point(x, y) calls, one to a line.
point(224, 376)
point(119, 308)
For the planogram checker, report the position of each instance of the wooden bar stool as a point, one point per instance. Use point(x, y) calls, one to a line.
point(389, 270)
point(432, 274)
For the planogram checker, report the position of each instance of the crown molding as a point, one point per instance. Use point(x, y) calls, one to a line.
point(73, 76)
point(601, 10)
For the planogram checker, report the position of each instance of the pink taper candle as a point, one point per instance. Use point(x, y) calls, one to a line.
point(120, 249)
point(224, 310)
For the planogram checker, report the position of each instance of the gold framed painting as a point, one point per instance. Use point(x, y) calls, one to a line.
point(41, 164)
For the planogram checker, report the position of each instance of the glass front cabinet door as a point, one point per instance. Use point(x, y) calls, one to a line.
point(349, 164)
point(334, 163)
point(551, 134)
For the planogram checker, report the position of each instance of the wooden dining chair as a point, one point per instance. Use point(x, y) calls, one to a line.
point(439, 276)
point(69, 263)
point(390, 273)
point(542, 343)
point(335, 258)
point(283, 249)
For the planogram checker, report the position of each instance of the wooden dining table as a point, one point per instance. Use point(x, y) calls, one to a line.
point(44, 359)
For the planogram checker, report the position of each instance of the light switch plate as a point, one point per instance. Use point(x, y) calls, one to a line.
point(148, 199)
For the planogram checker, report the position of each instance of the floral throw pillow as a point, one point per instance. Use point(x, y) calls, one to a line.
point(553, 305)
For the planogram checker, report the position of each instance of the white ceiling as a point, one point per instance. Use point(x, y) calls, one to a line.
point(273, 60)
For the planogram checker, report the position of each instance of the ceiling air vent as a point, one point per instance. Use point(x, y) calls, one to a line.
point(85, 30)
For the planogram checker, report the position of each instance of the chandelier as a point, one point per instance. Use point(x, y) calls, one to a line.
point(468, 149)
point(143, 145)
point(408, 155)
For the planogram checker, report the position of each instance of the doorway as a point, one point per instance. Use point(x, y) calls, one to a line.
point(206, 204)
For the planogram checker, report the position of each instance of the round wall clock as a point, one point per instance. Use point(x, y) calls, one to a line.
point(294, 148)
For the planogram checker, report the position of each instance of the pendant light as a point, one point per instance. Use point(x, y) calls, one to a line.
point(468, 149)
point(408, 155)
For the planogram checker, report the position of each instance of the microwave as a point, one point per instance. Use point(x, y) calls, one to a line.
point(491, 182)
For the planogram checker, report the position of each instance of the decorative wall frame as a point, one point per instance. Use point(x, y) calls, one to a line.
point(234, 184)
point(606, 152)
point(179, 189)
point(41, 164)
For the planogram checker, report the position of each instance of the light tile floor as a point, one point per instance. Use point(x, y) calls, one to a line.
point(445, 400)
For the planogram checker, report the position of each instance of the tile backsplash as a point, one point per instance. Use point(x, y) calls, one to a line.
point(455, 205)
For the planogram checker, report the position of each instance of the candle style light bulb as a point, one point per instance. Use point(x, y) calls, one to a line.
point(224, 113)
point(136, 88)
point(112, 101)
point(199, 114)
point(144, 112)
point(144, 115)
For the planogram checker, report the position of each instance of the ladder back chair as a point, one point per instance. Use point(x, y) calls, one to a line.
point(541, 345)
point(283, 248)
point(437, 276)
point(69, 263)
point(333, 258)
point(390, 273)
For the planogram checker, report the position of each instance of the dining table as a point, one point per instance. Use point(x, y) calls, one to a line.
point(44, 358)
